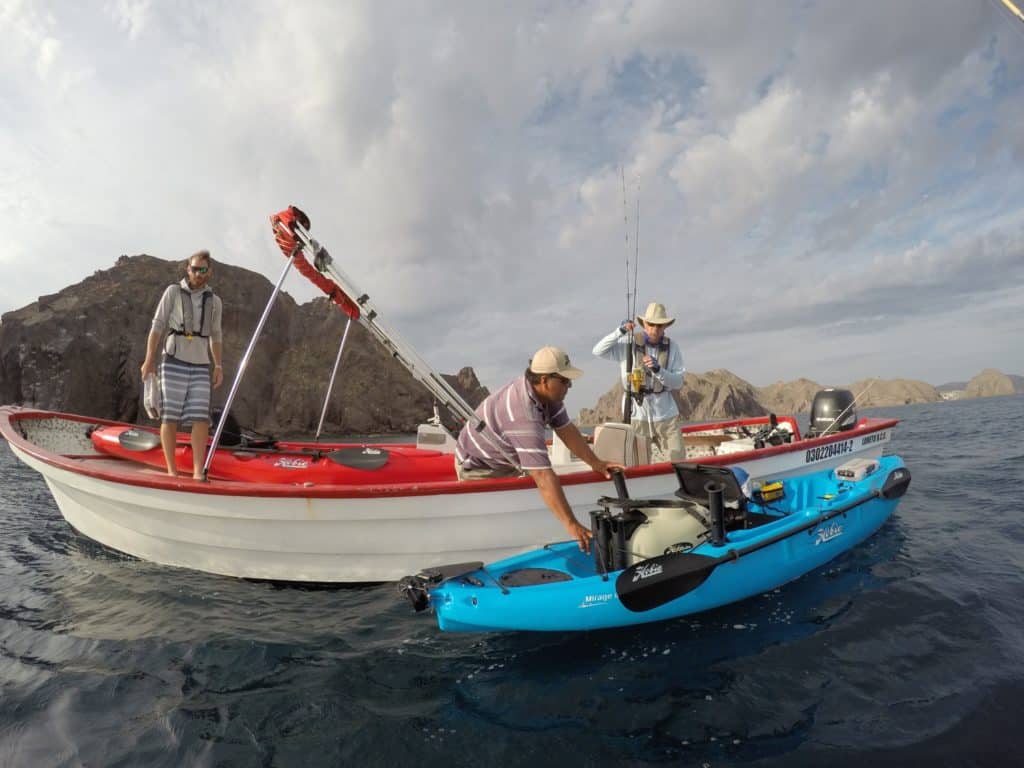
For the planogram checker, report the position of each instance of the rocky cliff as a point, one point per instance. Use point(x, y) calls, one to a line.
point(80, 351)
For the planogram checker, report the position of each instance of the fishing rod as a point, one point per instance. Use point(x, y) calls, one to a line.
point(625, 229)
point(634, 376)
point(627, 402)
point(638, 376)
point(636, 245)
point(1014, 9)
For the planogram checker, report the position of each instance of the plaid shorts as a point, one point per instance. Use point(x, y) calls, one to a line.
point(185, 391)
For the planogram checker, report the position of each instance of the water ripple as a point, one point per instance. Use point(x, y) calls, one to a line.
point(907, 650)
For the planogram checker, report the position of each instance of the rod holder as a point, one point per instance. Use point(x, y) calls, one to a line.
point(618, 536)
point(715, 492)
point(619, 480)
point(600, 525)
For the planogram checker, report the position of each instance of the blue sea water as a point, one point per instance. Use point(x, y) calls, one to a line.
point(908, 650)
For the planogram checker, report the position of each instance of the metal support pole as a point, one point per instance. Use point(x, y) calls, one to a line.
point(330, 385)
point(244, 363)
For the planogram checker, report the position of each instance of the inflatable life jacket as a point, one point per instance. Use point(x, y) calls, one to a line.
point(188, 327)
point(639, 349)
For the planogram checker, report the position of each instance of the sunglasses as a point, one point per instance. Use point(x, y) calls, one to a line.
point(562, 379)
point(198, 270)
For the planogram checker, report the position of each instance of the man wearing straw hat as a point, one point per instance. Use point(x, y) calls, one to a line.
point(657, 366)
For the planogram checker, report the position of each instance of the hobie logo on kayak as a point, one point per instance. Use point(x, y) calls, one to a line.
point(287, 463)
point(828, 533)
point(592, 601)
point(646, 571)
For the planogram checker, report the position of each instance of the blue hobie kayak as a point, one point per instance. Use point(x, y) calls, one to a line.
point(714, 542)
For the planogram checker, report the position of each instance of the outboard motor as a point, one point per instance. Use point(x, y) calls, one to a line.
point(832, 410)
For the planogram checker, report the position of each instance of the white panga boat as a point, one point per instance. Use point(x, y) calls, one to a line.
point(375, 518)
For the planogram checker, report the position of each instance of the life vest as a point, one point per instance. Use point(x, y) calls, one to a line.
point(188, 327)
point(639, 350)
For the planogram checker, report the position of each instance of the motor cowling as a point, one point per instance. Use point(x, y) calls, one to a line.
point(832, 410)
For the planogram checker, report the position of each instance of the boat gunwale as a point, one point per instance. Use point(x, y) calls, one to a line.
point(10, 415)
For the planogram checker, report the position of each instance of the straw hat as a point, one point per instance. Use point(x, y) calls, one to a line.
point(656, 315)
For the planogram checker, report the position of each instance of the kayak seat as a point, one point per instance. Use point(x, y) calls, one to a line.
point(693, 479)
point(621, 444)
point(234, 436)
point(531, 577)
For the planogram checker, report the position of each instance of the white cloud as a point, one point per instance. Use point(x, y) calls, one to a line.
point(130, 15)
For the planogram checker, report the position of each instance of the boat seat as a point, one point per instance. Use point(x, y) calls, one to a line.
point(560, 453)
point(621, 444)
point(434, 437)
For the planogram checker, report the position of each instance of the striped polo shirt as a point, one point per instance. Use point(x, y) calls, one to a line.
point(514, 433)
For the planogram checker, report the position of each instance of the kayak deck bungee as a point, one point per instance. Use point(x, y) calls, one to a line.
point(717, 547)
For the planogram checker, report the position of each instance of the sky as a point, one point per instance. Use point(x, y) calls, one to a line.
point(828, 190)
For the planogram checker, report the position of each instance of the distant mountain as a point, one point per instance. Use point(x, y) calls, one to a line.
point(990, 383)
point(988, 380)
point(721, 394)
point(789, 397)
point(704, 396)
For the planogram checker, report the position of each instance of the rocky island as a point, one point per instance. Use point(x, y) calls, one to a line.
point(80, 350)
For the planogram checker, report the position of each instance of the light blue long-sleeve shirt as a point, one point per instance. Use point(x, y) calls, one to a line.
point(616, 346)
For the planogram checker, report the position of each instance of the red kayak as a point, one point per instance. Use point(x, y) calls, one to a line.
point(285, 462)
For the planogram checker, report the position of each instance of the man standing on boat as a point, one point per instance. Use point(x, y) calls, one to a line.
point(187, 323)
point(512, 442)
point(657, 368)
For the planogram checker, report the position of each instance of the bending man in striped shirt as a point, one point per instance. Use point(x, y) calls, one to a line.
point(512, 441)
